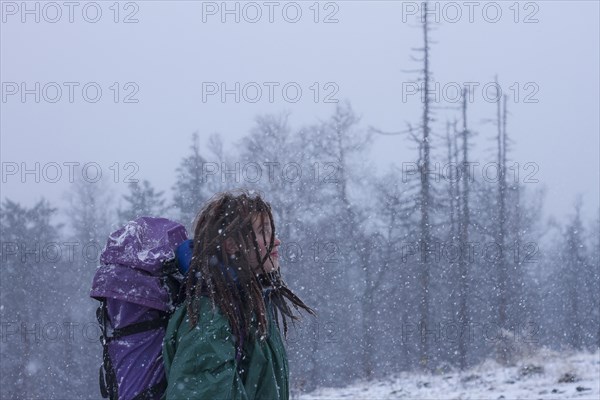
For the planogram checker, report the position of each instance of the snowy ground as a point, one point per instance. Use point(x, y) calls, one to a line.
point(547, 375)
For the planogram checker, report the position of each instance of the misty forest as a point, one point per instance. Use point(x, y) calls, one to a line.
point(410, 270)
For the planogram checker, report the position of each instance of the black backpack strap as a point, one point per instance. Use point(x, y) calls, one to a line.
point(108, 378)
point(143, 326)
point(173, 280)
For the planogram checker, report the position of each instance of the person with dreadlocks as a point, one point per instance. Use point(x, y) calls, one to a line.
point(224, 341)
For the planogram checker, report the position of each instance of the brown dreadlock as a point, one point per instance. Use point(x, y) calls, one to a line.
point(230, 215)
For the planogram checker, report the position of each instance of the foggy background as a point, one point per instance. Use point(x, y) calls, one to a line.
point(352, 222)
point(169, 52)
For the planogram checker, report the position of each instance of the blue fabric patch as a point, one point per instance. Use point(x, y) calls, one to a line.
point(183, 255)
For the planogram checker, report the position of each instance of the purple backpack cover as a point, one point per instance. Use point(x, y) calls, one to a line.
point(136, 284)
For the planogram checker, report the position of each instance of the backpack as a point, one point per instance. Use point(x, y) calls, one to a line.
point(138, 284)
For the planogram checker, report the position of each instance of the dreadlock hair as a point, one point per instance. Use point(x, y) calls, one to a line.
point(230, 215)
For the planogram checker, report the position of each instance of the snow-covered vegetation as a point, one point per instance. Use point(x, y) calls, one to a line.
point(545, 375)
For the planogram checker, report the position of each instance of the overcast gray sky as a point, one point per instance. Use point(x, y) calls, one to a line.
point(547, 52)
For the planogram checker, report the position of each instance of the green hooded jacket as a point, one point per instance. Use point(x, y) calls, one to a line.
point(200, 364)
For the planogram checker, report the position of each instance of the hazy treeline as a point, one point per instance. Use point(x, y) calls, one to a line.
point(350, 249)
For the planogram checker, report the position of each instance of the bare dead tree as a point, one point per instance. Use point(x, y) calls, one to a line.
point(425, 201)
point(500, 262)
point(574, 270)
point(451, 178)
point(463, 228)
